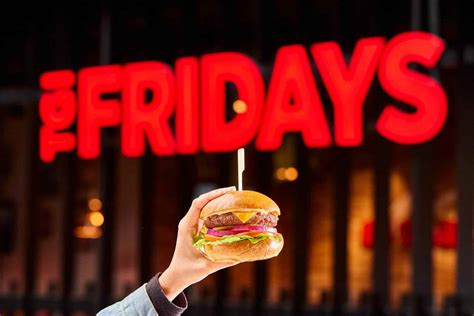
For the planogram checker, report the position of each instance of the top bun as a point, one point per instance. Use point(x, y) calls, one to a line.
point(242, 201)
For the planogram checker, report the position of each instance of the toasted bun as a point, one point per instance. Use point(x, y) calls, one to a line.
point(239, 200)
point(242, 251)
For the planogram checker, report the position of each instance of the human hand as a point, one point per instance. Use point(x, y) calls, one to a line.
point(188, 265)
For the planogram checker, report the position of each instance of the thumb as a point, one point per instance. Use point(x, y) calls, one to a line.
point(199, 202)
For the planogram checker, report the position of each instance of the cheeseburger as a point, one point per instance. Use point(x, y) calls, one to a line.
point(239, 226)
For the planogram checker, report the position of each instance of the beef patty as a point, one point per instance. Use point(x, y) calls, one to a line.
point(229, 219)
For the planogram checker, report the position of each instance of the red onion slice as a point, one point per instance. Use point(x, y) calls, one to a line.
point(239, 229)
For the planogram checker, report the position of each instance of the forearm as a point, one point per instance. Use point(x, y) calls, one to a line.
point(171, 284)
point(177, 277)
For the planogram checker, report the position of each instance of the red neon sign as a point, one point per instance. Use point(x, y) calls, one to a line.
point(57, 111)
point(418, 90)
point(293, 103)
point(95, 113)
point(184, 110)
point(147, 120)
point(187, 105)
point(348, 85)
point(217, 69)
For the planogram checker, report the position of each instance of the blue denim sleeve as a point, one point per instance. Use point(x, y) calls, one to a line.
point(138, 303)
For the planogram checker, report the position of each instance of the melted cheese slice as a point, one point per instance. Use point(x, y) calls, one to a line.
point(244, 216)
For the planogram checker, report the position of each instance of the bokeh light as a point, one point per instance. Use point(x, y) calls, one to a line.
point(95, 204)
point(87, 232)
point(239, 107)
point(96, 219)
point(280, 174)
point(291, 174)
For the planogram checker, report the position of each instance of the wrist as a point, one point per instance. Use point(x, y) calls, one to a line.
point(171, 283)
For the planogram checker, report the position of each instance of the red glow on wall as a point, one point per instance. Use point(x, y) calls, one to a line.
point(406, 233)
point(186, 110)
point(368, 235)
point(445, 234)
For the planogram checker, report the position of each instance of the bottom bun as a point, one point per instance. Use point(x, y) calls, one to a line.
point(242, 251)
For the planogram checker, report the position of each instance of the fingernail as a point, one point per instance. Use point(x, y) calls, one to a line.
point(231, 188)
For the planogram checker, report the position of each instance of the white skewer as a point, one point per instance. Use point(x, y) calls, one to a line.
point(240, 165)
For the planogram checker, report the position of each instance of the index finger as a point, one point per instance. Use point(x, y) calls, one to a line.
point(202, 200)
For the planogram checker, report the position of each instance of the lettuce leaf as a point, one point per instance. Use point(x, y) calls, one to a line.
point(200, 241)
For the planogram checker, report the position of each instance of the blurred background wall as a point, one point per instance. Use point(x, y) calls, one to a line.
point(377, 229)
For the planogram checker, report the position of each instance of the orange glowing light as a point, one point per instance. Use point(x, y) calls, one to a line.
point(96, 219)
point(291, 174)
point(87, 232)
point(239, 107)
point(280, 174)
point(95, 204)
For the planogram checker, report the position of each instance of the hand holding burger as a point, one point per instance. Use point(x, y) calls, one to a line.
point(222, 228)
point(188, 265)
